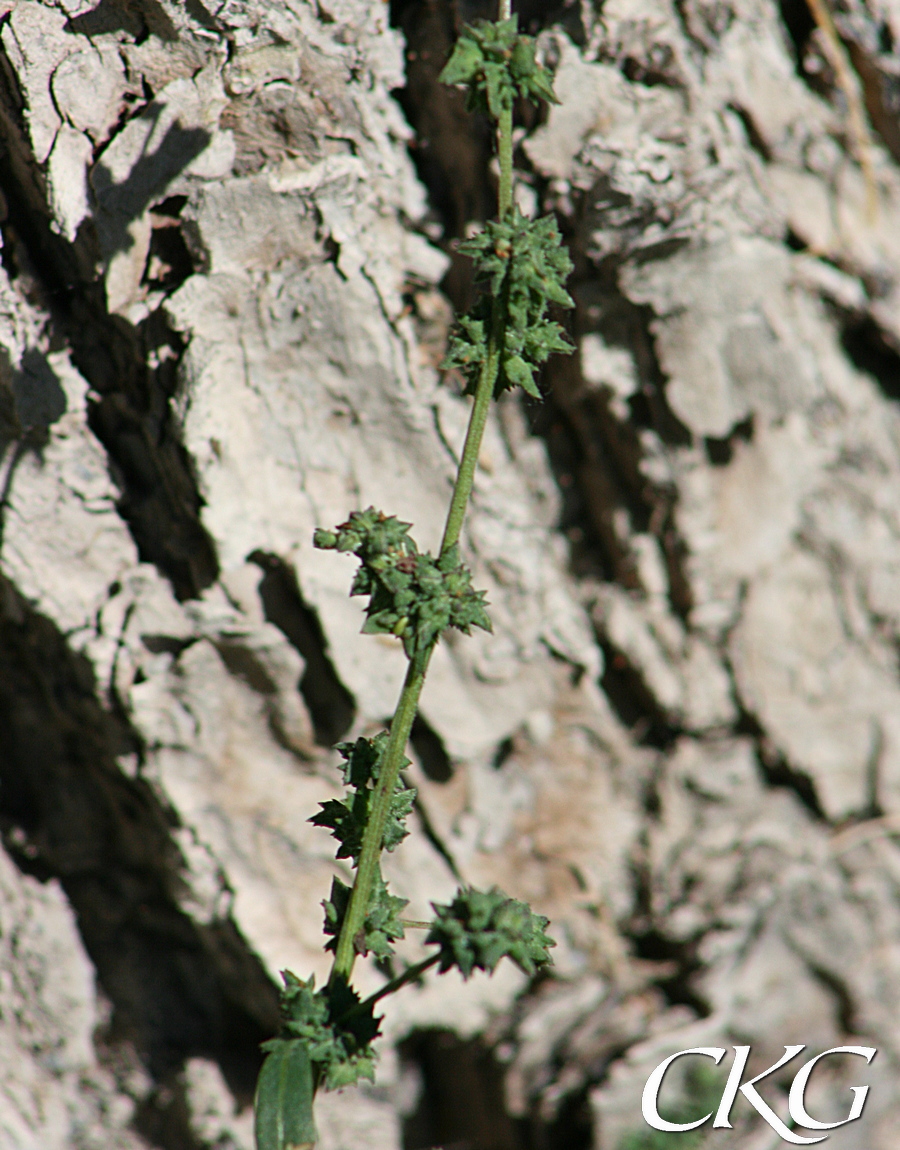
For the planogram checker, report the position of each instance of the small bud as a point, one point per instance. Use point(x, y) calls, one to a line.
point(324, 540)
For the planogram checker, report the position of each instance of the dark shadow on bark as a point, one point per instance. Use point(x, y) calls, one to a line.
point(678, 958)
point(799, 25)
point(870, 349)
point(331, 706)
point(634, 702)
point(775, 769)
point(597, 455)
point(431, 752)
point(179, 988)
point(720, 451)
point(137, 18)
point(119, 204)
point(31, 401)
point(461, 1104)
point(132, 415)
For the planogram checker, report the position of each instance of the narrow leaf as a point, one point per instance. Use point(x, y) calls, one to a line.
point(284, 1099)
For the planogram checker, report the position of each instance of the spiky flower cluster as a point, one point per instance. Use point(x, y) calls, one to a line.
point(382, 926)
point(336, 1031)
point(497, 64)
point(412, 595)
point(346, 819)
point(478, 928)
point(523, 264)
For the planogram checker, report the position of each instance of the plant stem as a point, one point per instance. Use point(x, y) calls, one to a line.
point(409, 975)
point(401, 724)
point(373, 836)
point(465, 477)
point(485, 388)
point(505, 156)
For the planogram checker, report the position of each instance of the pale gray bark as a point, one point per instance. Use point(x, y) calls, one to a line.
point(220, 320)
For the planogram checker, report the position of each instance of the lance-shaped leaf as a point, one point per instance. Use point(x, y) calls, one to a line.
point(283, 1105)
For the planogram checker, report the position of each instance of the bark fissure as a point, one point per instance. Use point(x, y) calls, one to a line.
point(132, 415)
point(179, 988)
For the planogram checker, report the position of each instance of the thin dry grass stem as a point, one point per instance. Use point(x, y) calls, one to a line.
point(848, 82)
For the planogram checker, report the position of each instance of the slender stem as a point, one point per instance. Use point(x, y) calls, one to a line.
point(465, 477)
point(485, 388)
point(373, 836)
point(505, 156)
point(401, 724)
point(409, 975)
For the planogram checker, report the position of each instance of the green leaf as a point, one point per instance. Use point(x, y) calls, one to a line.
point(521, 374)
point(347, 818)
point(465, 62)
point(478, 928)
point(283, 1113)
point(497, 65)
point(336, 1034)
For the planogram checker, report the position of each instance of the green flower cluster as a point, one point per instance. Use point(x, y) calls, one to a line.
point(497, 64)
point(347, 818)
point(368, 534)
point(478, 928)
point(524, 264)
point(382, 926)
point(412, 595)
point(335, 1031)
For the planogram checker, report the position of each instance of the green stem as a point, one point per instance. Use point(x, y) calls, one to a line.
point(401, 724)
point(409, 975)
point(505, 156)
point(465, 477)
point(486, 381)
point(373, 836)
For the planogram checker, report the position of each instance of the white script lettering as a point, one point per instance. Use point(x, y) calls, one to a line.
point(796, 1100)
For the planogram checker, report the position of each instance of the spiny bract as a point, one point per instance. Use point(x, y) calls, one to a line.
point(411, 595)
point(337, 1035)
point(478, 928)
point(382, 926)
point(497, 64)
point(524, 264)
point(346, 818)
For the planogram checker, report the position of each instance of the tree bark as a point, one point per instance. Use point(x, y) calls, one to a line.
point(226, 271)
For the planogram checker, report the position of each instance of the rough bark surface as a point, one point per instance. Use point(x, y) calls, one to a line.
point(226, 264)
